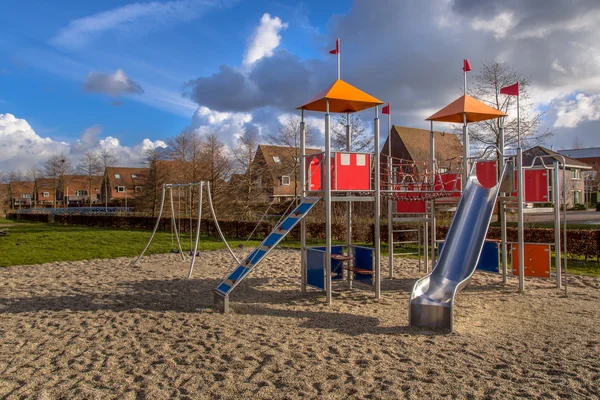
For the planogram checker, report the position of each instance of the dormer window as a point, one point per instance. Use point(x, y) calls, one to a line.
point(277, 159)
point(285, 180)
point(117, 176)
point(133, 176)
point(43, 184)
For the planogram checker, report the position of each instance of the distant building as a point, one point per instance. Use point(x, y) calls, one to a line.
point(20, 194)
point(412, 144)
point(80, 189)
point(123, 183)
point(590, 156)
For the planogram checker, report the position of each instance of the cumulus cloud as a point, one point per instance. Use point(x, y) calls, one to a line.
point(583, 108)
point(114, 84)
point(265, 39)
point(22, 148)
point(134, 17)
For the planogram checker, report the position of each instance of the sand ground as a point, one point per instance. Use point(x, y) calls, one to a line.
point(102, 329)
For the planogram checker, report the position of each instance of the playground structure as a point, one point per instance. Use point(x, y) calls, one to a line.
point(414, 190)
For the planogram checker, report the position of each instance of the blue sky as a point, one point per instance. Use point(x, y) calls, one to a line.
point(80, 75)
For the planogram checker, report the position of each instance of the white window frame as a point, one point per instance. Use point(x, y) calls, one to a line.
point(285, 178)
point(442, 170)
point(45, 194)
point(26, 195)
point(576, 174)
point(277, 159)
point(121, 189)
point(81, 193)
point(117, 176)
point(138, 189)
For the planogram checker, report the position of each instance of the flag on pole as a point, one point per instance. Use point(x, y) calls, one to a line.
point(385, 109)
point(466, 65)
point(512, 90)
point(337, 48)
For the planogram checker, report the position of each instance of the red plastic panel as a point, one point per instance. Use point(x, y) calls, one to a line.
point(313, 172)
point(448, 181)
point(411, 207)
point(537, 259)
point(486, 173)
point(536, 186)
point(352, 172)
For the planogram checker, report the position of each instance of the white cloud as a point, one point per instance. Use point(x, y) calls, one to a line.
point(500, 25)
point(265, 39)
point(227, 125)
point(114, 84)
point(573, 112)
point(135, 16)
point(22, 148)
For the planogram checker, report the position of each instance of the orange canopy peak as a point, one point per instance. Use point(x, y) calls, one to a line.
point(343, 98)
point(474, 110)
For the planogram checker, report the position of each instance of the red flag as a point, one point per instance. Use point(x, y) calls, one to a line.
point(386, 109)
point(466, 65)
point(512, 90)
point(337, 47)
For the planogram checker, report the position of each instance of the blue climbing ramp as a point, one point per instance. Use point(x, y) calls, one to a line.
point(257, 255)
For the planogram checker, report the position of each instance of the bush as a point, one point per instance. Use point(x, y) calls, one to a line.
point(579, 207)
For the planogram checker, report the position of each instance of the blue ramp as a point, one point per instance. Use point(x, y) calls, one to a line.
point(255, 257)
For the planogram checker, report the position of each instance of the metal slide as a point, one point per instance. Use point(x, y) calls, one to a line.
point(257, 255)
point(432, 297)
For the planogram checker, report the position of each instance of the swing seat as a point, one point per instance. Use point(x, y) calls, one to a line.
point(174, 251)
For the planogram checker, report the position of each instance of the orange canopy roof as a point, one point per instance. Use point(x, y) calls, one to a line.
point(342, 97)
point(476, 111)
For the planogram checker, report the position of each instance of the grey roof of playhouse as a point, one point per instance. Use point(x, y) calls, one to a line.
point(591, 152)
point(530, 154)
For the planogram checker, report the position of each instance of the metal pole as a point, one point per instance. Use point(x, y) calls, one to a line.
point(502, 208)
point(557, 202)
point(377, 206)
point(302, 189)
point(521, 244)
point(432, 172)
point(339, 49)
point(327, 167)
point(390, 202)
point(466, 152)
point(197, 226)
point(565, 226)
point(349, 203)
point(156, 225)
point(174, 222)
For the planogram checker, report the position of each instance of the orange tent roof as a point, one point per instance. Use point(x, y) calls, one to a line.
point(342, 97)
point(476, 111)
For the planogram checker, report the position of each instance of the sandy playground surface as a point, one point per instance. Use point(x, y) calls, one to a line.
point(101, 329)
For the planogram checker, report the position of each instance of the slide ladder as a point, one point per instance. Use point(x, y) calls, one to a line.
point(432, 297)
point(257, 255)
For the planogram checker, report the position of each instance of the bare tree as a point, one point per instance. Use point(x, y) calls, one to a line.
point(218, 165)
point(56, 167)
point(107, 160)
point(34, 173)
point(186, 150)
point(90, 166)
point(289, 137)
point(493, 76)
point(243, 153)
point(157, 176)
point(362, 140)
point(578, 143)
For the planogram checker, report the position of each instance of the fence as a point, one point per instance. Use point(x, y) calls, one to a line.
point(584, 243)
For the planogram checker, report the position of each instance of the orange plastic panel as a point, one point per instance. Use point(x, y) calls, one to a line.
point(537, 259)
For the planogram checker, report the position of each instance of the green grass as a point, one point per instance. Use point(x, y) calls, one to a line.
point(32, 243)
point(548, 225)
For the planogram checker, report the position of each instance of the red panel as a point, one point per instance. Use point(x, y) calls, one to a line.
point(486, 173)
point(537, 259)
point(313, 172)
point(411, 207)
point(536, 186)
point(349, 175)
point(448, 181)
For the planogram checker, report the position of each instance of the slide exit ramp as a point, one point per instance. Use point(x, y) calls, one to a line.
point(222, 291)
point(432, 297)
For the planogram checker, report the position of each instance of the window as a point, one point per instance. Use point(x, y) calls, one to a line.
point(133, 176)
point(345, 159)
point(26, 195)
point(120, 189)
point(43, 184)
point(575, 174)
point(81, 193)
point(117, 176)
point(577, 197)
point(138, 189)
point(361, 160)
point(296, 159)
point(285, 180)
point(45, 194)
point(277, 159)
point(442, 170)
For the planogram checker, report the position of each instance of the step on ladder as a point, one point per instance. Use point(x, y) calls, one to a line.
point(412, 235)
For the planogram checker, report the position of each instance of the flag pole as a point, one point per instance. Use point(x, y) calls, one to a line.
point(521, 244)
point(338, 56)
point(390, 201)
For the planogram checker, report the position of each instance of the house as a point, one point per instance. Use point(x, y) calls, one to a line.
point(4, 195)
point(275, 171)
point(21, 194)
point(45, 194)
point(80, 189)
point(123, 183)
point(574, 168)
point(591, 178)
point(412, 144)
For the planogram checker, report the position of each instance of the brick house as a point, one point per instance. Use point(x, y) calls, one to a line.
point(20, 194)
point(575, 170)
point(45, 193)
point(80, 189)
point(591, 178)
point(276, 170)
point(123, 183)
point(413, 144)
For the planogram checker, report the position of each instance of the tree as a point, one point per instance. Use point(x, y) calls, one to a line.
point(90, 166)
point(361, 139)
point(289, 137)
point(218, 165)
point(493, 76)
point(243, 153)
point(56, 167)
point(186, 150)
point(157, 176)
point(34, 173)
point(106, 160)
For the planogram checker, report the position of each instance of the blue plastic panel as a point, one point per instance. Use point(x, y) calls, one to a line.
point(315, 268)
point(489, 260)
point(363, 259)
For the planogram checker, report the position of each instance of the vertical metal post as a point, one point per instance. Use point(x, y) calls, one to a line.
point(432, 165)
point(377, 206)
point(426, 245)
point(501, 206)
point(195, 249)
point(564, 265)
point(521, 244)
point(302, 160)
point(390, 202)
point(466, 152)
point(339, 50)
point(556, 195)
point(349, 203)
point(162, 206)
point(327, 166)
point(174, 222)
